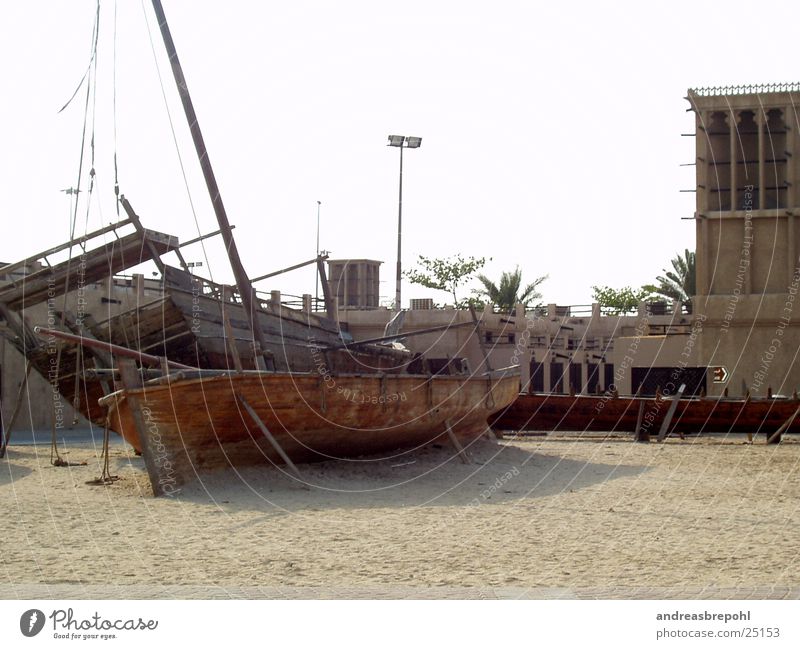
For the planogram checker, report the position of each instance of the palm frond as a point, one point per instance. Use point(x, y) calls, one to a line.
point(680, 282)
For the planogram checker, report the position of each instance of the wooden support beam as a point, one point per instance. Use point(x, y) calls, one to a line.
point(326, 290)
point(480, 340)
point(746, 401)
point(638, 434)
point(245, 287)
point(776, 437)
point(8, 268)
point(270, 438)
point(134, 219)
point(82, 330)
point(182, 261)
point(672, 407)
point(16, 324)
point(162, 343)
point(290, 268)
point(103, 381)
point(456, 444)
point(204, 237)
point(163, 485)
point(5, 431)
point(229, 339)
point(115, 350)
point(97, 265)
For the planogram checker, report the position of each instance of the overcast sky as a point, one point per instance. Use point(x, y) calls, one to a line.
point(551, 132)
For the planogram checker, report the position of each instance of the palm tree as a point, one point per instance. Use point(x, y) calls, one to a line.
point(679, 283)
point(506, 295)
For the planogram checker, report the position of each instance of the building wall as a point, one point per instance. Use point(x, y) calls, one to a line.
point(748, 240)
point(756, 338)
point(566, 345)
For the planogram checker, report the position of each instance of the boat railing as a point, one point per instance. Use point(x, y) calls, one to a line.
point(294, 301)
point(266, 300)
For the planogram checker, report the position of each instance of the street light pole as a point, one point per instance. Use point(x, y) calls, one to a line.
point(397, 302)
point(402, 142)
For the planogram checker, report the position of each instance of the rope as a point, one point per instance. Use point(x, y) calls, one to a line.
point(55, 457)
point(91, 146)
point(114, 112)
point(3, 442)
point(105, 474)
point(89, 66)
point(76, 396)
point(79, 350)
point(58, 461)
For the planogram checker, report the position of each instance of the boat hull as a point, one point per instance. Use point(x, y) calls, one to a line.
point(604, 413)
point(193, 426)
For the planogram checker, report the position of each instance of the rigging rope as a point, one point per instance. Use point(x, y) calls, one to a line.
point(105, 475)
point(91, 72)
point(114, 112)
point(89, 66)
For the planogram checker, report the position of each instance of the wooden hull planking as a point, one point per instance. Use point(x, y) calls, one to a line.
point(198, 425)
point(549, 412)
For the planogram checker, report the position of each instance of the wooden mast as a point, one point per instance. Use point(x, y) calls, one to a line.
point(242, 280)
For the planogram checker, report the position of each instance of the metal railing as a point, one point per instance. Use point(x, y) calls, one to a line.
point(718, 91)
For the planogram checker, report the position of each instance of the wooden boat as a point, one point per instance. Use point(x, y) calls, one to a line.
point(188, 325)
point(312, 393)
point(194, 425)
point(610, 413)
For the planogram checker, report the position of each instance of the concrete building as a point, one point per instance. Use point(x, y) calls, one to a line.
point(748, 243)
point(558, 348)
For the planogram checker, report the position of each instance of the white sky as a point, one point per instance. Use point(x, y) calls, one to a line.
point(551, 132)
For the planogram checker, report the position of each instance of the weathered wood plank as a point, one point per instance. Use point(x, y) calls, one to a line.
point(157, 460)
point(662, 433)
point(462, 454)
point(273, 442)
point(101, 262)
point(775, 438)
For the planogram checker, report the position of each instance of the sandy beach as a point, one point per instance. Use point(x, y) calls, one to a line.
point(533, 515)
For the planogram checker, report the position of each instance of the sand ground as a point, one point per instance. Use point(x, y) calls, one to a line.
point(531, 513)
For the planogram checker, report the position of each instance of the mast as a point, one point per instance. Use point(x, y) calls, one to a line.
point(242, 280)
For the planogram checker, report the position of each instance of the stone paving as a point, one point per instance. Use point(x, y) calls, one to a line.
point(199, 591)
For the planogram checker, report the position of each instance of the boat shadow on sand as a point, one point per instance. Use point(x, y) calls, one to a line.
point(11, 472)
point(430, 477)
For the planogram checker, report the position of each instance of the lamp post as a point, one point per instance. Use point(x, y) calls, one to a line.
point(316, 295)
point(402, 142)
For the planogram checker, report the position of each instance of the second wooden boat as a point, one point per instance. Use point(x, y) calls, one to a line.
point(611, 413)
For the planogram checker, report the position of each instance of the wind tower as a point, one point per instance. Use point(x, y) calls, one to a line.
point(748, 271)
